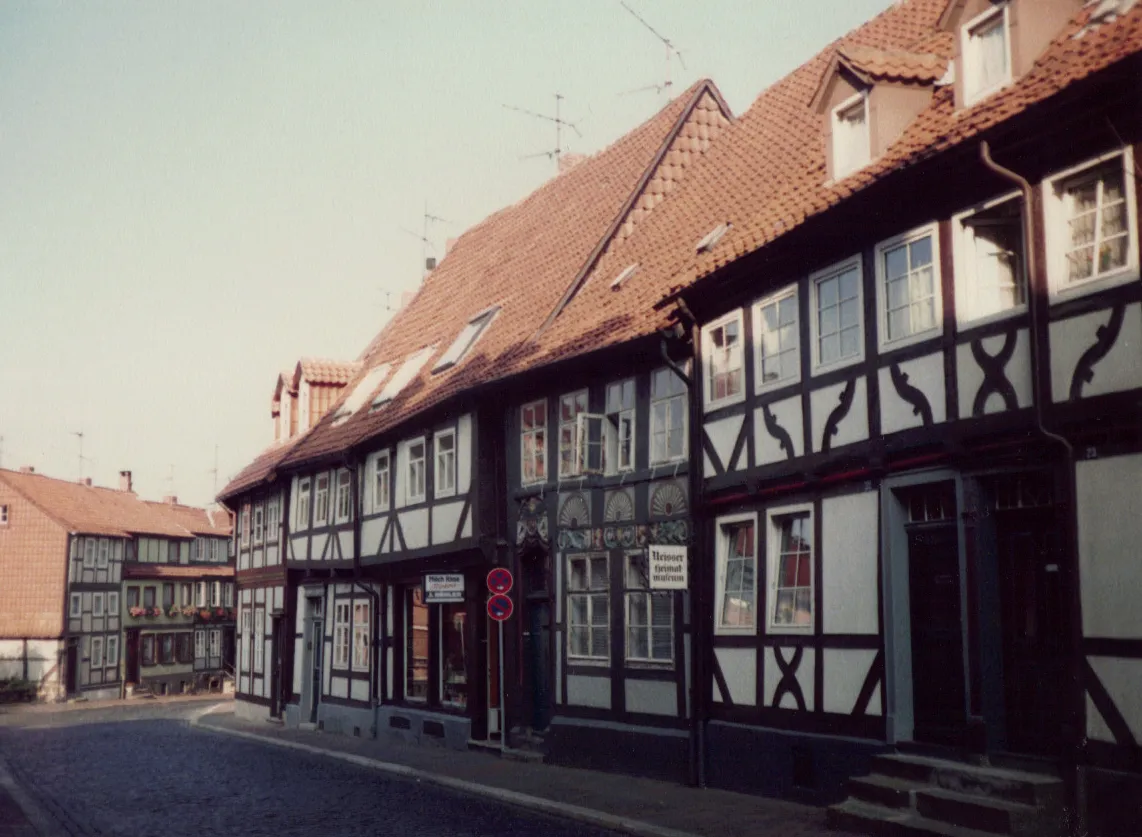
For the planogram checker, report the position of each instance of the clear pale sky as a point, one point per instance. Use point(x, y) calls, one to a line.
point(195, 194)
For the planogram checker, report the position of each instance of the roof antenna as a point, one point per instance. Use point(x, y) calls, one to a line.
point(559, 121)
point(79, 434)
point(671, 51)
point(425, 241)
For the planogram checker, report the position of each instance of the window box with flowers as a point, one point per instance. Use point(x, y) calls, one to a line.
point(156, 611)
point(204, 615)
point(188, 610)
point(138, 612)
point(175, 610)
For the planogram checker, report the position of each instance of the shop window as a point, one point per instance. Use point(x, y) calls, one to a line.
point(453, 656)
point(416, 645)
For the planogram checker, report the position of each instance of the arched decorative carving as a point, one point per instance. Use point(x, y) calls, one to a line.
point(668, 499)
point(620, 506)
point(574, 512)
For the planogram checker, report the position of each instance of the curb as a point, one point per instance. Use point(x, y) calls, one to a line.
point(39, 820)
point(508, 797)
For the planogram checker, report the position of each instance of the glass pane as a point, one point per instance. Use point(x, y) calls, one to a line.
point(578, 580)
point(849, 284)
point(579, 641)
point(454, 653)
point(636, 572)
point(600, 642)
point(769, 318)
point(783, 608)
point(1112, 254)
point(897, 293)
point(920, 252)
point(787, 311)
point(599, 574)
point(637, 644)
point(830, 349)
point(600, 610)
point(662, 644)
point(662, 609)
point(734, 574)
point(830, 320)
point(896, 263)
point(677, 411)
point(898, 324)
point(827, 293)
point(803, 614)
point(578, 610)
point(637, 608)
point(1080, 263)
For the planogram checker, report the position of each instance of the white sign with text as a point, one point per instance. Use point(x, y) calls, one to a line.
point(443, 587)
point(667, 565)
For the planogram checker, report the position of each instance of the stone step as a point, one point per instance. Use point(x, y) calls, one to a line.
point(989, 782)
point(884, 790)
point(998, 816)
point(878, 821)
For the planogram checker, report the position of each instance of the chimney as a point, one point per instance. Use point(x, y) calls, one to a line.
point(85, 481)
point(430, 264)
point(27, 469)
point(568, 161)
point(170, 500)
point(124, 480)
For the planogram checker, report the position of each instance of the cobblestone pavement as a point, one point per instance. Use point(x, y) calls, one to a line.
point(161, 776)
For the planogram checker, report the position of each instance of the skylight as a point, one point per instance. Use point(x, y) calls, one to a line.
point(627, 273)
point(360, 392)
point(711, 239)
point(406, 373)
point(472, 332)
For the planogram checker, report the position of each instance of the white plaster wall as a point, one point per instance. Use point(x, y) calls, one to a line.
point(299, 546)
point(371, 531)
point(844, 673)
point(589, 691)
point(279, 598)
point(970, 375)
point(42, 658)
point(852, 428)
point(339, 687)
point(273, 555)
point(850, 589)
point(445, 518)
point(722, 434)
point(927, 375)
point(414, 524)
point(465, 453)
point(787, 413)
point(318, 547)
point(772, 677)
point(1119, 370)
point(653, 697)
point(359, 690)
point(1122, 679)
point(739, 667)
point(346, 539)
point(298, 663)
point(466, 532)
point(1110, 531)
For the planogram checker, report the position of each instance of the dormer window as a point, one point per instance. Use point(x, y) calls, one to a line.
point(466, 340)
point(710, 240)
point(626, 273)
point(851, 146)
point(364, 388)
point(408, 370)
point(986, 53)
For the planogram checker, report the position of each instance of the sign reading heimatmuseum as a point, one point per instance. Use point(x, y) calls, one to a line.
point(667, 565)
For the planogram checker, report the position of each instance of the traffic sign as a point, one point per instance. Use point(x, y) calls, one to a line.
point(500, 580)
point(499, 607)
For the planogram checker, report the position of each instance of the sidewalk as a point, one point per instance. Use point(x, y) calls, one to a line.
point(625, 803)
point(19, 709)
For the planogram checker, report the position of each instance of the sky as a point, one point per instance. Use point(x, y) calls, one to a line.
point(194, 194)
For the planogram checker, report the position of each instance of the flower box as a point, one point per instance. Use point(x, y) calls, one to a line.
point(156, 611)
point(188, 610)
point(137, 612)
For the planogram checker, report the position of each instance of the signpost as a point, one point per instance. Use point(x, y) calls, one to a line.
point(500, 580)
point(499, 607)
point(667, 565)
point(443, 587)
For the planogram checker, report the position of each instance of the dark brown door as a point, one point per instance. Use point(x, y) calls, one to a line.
point(276, 669)
point(132, 675)
point(1032, 590)
point(72, 671)
point(939, 714)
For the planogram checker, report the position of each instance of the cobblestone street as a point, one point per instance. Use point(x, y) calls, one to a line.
point(160, 776)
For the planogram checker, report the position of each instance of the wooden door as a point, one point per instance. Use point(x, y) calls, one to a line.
point(132, 675)
point(72, 671)
point(939, 713)
point(317, 646)
point(1033, 583)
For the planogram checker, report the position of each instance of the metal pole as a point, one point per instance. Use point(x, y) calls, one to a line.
point(503, 718)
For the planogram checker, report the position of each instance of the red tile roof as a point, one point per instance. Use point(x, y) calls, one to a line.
point(894, 65)
point(134, 569)
point(323, 371)
point(196, 521)
point(260, 469)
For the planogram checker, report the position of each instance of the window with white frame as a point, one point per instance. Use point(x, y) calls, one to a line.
point(301, 520)
point(991, 276)
point(722, 345)
point(321, 500)
point(200, 643)
point(618, 454)
point(214, 642)
point(341, 615)
point(245, 525)
point(89, 553)
point(215, 593)
point(244, 645)
point(588, 607)
point(273, 520)
point(1092, 228)
point(668, 416)
point(186, 594)
point(414, 477)
point(76, 609)
point(836, 308)
point(649, 615)
point(104, 553)
point(986, 47)
point(344, 506)
point(790, 551)
point(97, 652)
point(570, 406)
point(533, 442)
point(361, 635)
point(259, 523)
point(111, 658)
point(381, 481)
point(97, 604)
point(201, 598)
point(908, 287)
point(851, 145)
point(113, 603)
point(777, 340)
point(464, 342)
point(445, 480)
point(736, 551)
point(259, 638)
point(228, 594)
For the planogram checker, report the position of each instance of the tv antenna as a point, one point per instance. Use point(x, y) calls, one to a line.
point(559, 121)
point(671, 53)
point(82, 458)
point(425, 241)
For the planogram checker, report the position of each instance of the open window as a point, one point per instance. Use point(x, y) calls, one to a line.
point(852, 147)
point(724, 372)
point(777, 340)
point(570, 406)
point(467, 338)
point(991, 273)
point(986, 47)
point(619, 427)
point(790, 551)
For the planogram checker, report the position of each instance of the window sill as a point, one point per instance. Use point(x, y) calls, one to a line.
point(724, 631)
point(968, 323)
point(975, 98)
point(825, 368)
point(774, 386)
point(591, 662)
point(1125, 276)
point(887, 347)
point(789, 630)
point(711, 405)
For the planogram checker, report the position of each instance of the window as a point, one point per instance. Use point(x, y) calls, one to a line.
point(777, 358)
point(259, 638)
point(722, 345)
point(166, 649)
point(148, 597)
point(619, 450)
point(215, 593)
point(344, 495)
point(991, 278)
point(148, 649)
point(668, 417)
point(132, 597)
point(200, 643)
point(341, 635)
point(414, 489)
point(649, 616)
point(364, 388)
point(302, 515)
point(273, 521)
point(76, 605)
point(182, 648)
point(245, 525)
point(214, 642)
point(408, 370)
point(186, 594)
point(228, 594)
point(3, 515)
point(791, 570)
point(380, 482)
point(987, 53)
point(111, 658)
point(97, 604)
point(89, 553)
point(533, 442)
point(259, 524)
point(113, 604)
point(467, 338)
point(851, 146)
point(837, 315)
point(97, 652)
point(416, 645)
point(909, 287)
point(200, 599)
point(168, 596)
point(736, 549)
point(710, 240)
point(569, 408)
point(1092, 213)
point(104, 552)
point(321, 501)
point(453, 656)
point(588, 607)
point(246, 639)
point(361, 636)
point(445, 484)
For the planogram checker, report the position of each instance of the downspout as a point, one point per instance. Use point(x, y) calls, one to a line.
point(1035, 301)
point(374, 596)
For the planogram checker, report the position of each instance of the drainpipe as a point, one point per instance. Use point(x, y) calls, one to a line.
point(1037, 317)
point(374, 596)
